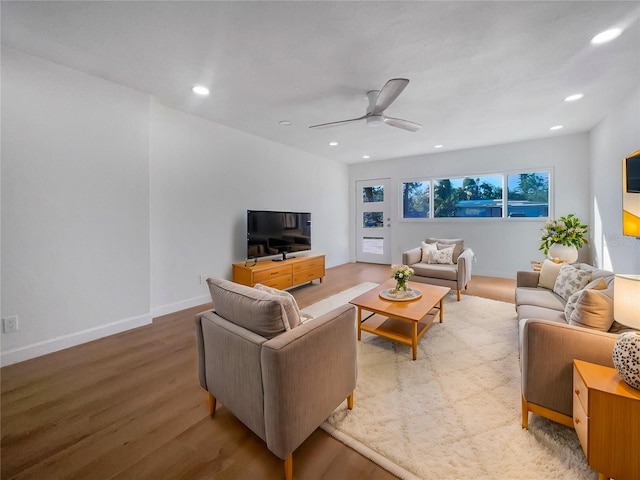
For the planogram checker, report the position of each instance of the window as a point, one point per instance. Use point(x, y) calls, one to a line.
point(528, 194)
point(468, 197)
point(372, 219)
point(373, 194)
point(415, 199)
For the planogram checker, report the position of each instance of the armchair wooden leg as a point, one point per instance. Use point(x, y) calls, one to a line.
point(525, 414)
point(458, 295)
point(350, 401)
point(288, 467)
point(212, 404)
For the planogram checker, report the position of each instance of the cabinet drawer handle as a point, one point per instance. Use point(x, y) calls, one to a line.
point(577, 391)
point(577, 420)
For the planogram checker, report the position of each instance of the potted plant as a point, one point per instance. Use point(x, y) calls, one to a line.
point(561, 238)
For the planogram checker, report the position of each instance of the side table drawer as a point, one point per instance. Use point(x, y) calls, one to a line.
point(580, 390)
point(581, 423)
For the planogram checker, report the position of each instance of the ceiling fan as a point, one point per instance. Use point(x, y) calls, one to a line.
point(379, 100)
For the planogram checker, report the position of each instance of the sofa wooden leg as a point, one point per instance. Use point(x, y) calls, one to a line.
point(212, 404)
point(350, 401)
point(458, 295)
point(288, 467)
point(525, 414)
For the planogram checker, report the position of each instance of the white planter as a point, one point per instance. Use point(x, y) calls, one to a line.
point(565, 253)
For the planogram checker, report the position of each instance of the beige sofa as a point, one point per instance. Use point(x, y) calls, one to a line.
point(549, 344)
point(280, 377)
point(455, 275)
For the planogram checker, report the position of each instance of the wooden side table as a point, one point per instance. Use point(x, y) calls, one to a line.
point(606, 416)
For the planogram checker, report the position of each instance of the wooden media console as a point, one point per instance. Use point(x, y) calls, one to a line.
point(282, 274)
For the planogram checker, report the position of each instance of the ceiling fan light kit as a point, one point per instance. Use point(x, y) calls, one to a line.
point(379, 100)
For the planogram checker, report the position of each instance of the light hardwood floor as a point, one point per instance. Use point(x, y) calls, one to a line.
point(129, 406)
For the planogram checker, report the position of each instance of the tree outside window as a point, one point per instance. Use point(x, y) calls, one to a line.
point(468, 197)
point(528, 194)
point(415, 199)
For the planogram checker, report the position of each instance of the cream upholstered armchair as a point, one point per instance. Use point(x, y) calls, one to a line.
point(280, 377)
point(441, 261)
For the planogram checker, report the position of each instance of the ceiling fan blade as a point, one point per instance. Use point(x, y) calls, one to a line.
point(341, 122)
point(404, 124)
point(389, 93)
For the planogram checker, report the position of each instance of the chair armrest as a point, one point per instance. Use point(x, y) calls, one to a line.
point(547, 351)
point(465, 259)
point(412, 256)
point(527, 278)
point(307, 372)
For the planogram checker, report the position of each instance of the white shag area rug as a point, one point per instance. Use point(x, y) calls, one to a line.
point(454, 413)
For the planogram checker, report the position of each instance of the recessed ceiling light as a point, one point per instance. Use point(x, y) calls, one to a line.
point(365, 156)
point(333, 144)
point(200, 90)
point(556, 127)
point(285, 123)
point(438, 146)
point(573, 98)
point(606, 36)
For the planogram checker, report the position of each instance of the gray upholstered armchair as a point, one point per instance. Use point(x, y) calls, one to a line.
point(430, 267)
point(281, 382)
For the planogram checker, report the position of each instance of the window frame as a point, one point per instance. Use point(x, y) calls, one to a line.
point(505, 196)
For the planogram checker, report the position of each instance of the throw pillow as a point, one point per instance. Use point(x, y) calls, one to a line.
point(290, 305)
point(458, 245)
point(548, 274)
point(597, 284)
point(444, 256)
point(570, 280)
point(259, 312)
point(594, 309)
point(427, 248)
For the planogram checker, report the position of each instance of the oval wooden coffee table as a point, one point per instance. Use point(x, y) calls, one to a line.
point(404, 322)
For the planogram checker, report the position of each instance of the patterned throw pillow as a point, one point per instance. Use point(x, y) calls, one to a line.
point(597, 284)
point(570, 280)
point(444, 256)
point(427, 248)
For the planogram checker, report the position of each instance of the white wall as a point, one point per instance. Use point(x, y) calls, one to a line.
point(204, 177)
point(75, 210)
point(502, 246)
point(613, 139)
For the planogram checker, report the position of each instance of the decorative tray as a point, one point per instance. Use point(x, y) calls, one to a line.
point(400, 296)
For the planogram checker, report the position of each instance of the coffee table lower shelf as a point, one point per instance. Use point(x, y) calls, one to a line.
point(401, 331)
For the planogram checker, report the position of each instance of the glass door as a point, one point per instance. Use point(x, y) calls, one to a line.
point(373, 221)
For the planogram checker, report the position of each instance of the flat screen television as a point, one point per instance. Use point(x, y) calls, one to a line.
point(277, 233)
point(633, 174)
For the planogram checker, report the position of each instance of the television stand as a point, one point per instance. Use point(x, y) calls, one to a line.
point(283, 274)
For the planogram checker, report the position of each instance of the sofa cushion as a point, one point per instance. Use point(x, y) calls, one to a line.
point(535, 311)
point(427, 248)
point(290, 305)
point(540, 298)
point(445, 272)
point(570, 280)
point(594, 309)
point(597, 284)
point(458, 244)
point(548, 274)
point(257, 311)
point(444, 256)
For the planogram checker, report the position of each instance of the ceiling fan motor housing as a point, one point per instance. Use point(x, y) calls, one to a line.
point(375, 120)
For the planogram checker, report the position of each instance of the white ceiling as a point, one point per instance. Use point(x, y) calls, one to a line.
point(481, 72)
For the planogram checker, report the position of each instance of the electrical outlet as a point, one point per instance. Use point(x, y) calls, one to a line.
point(10, 324)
